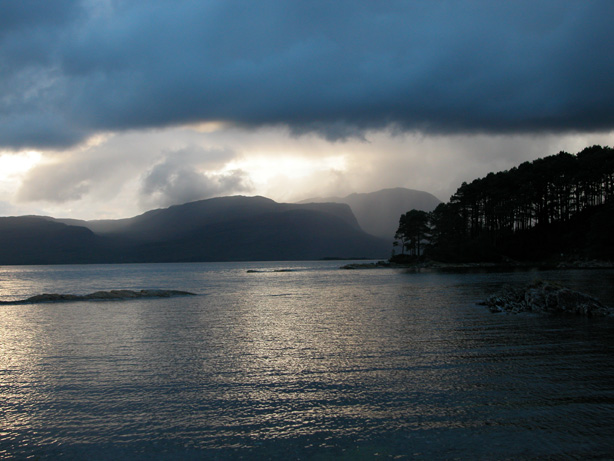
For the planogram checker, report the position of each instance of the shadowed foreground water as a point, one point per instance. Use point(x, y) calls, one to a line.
point(316, 363)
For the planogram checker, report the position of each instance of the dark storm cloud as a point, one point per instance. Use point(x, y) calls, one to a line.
point(35, 14)
point(336, 68)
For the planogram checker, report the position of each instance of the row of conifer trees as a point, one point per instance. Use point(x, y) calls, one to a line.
point(554, 204)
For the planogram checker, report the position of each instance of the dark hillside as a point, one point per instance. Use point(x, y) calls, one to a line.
point(222, 229)
point(286, 235)
point(37, 240)
point(180, 220)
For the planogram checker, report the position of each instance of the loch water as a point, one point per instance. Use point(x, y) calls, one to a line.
point(299, 360)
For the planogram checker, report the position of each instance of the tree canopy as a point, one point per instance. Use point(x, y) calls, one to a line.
point(556, 204)
point(413, 230)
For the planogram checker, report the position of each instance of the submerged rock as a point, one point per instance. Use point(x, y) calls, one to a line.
point(546, 297)
point(99, 296)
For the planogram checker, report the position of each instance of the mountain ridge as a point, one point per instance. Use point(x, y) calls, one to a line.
point(231, 228)
point(378, 212)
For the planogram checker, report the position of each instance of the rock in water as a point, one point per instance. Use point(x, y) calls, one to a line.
point(546, 297)
point(100, 296)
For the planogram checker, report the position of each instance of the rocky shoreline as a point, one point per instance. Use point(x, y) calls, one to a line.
point(425, 265)
point(508, 265)
point(113, 295)
point(546, 297)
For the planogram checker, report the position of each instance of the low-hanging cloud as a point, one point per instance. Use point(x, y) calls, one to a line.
point(178, 179)
point(334, 68)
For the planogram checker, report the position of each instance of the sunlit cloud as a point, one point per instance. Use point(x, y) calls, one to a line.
point(264, 169)
point(207, 127)
point(15, 164)
point(124, 174)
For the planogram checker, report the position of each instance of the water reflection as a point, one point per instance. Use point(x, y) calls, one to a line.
point(18, 357)
point(298, 364)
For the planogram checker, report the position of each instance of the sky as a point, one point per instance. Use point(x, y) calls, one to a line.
point(109, 108)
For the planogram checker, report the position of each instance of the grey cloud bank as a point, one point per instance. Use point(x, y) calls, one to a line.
point(72, 69)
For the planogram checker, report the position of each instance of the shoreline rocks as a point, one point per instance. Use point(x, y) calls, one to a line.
point(437, 266)
point(113, 295)
point(377, 265)
point(546, 297)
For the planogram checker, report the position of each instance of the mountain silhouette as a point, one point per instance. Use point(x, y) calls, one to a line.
point(378, 212)
point(221, 229)
point(38, 240)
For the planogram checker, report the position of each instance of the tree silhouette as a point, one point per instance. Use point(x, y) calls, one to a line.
point(542, 207)
point(413, 230)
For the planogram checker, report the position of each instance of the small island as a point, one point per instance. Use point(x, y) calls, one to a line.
point(112, 295)
point(553, 212)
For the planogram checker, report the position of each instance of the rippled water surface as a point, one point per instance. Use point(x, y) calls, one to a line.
point(312, 363)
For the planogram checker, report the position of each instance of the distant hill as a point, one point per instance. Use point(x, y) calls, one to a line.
point(378, 212)
point(37, 240)
point(294, 234)
point(179, 220)
point(220, 229)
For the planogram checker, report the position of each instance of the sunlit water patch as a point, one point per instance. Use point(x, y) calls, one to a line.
point(302, 360)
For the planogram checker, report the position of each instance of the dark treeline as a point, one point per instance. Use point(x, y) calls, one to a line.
point(551, 207)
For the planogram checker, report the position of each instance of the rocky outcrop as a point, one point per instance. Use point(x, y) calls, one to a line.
point(376, 265)
point(100, 296)
point(546, 297)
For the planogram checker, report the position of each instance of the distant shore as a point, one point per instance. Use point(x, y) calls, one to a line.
point(437, 266)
